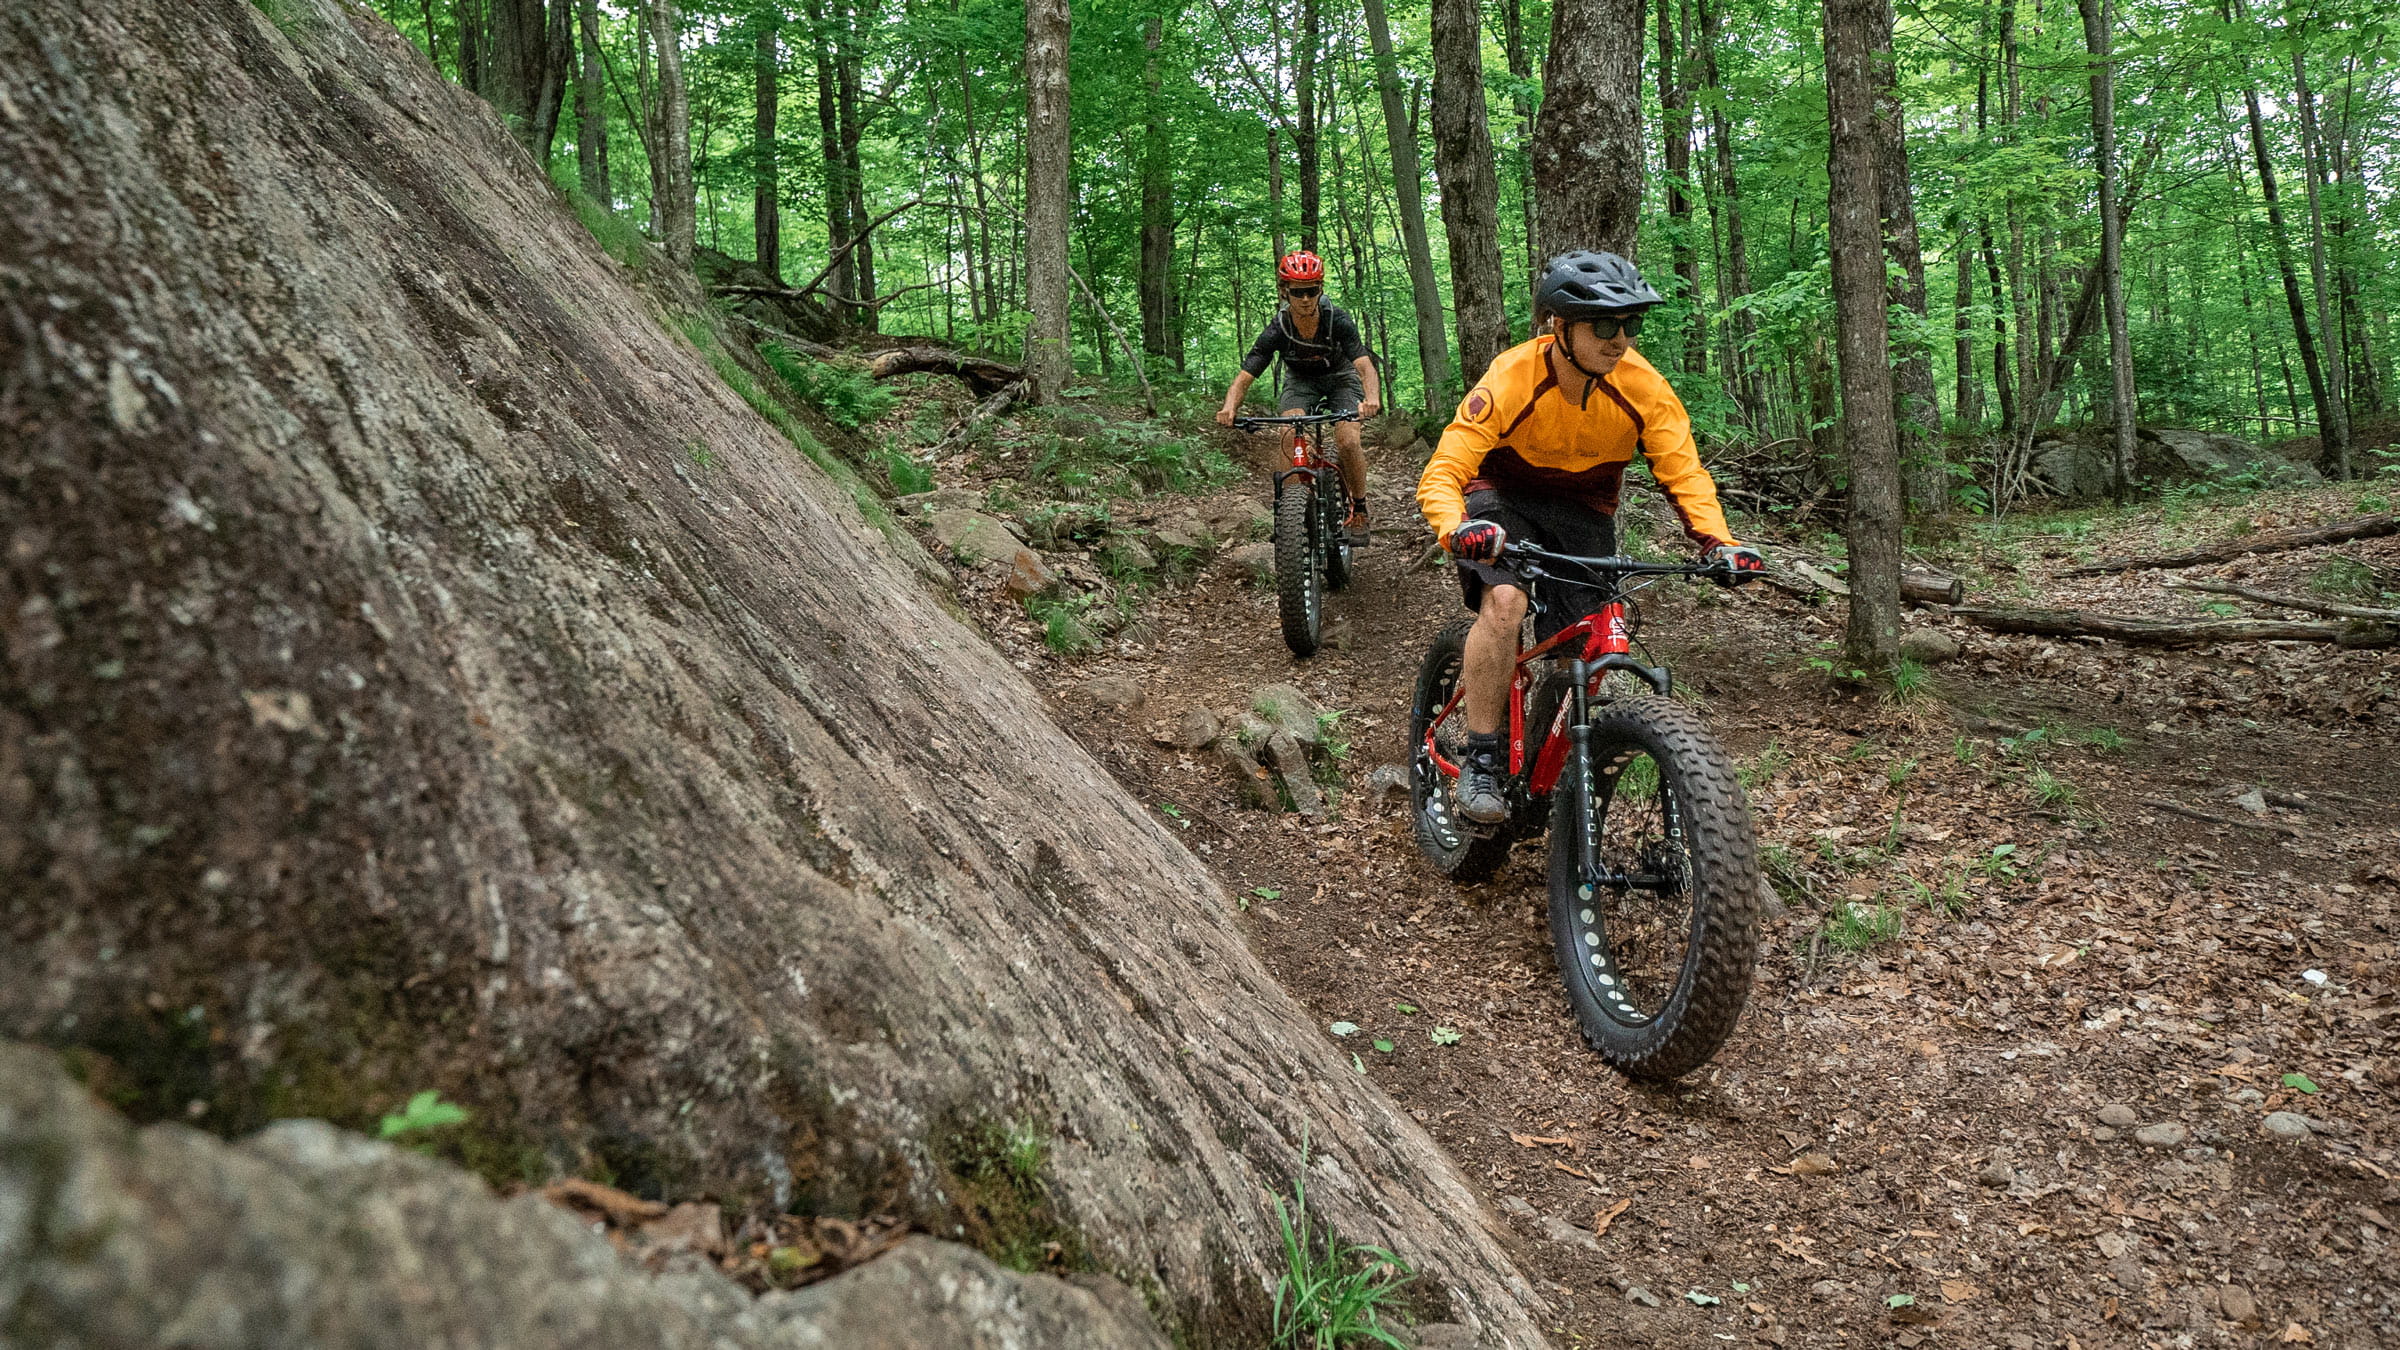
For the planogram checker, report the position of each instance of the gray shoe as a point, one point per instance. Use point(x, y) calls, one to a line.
point(1479, 796)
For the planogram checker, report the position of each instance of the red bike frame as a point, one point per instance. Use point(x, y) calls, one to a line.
point(1602, 635)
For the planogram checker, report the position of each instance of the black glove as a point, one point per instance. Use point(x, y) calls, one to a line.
point(1739, 562)
point(1477, 541)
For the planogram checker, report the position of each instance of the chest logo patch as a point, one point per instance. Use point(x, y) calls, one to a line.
point(1477, 407)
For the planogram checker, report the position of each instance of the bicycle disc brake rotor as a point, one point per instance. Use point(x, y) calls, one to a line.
point(1635, 917)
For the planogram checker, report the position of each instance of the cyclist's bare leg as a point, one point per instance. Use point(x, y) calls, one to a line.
point(1491, 657)
point(1353, 456)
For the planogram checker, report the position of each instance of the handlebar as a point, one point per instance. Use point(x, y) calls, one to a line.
point(1618, 567)
point(1295, 420)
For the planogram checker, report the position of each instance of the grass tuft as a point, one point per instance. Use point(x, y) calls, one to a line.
point(1331, 1294)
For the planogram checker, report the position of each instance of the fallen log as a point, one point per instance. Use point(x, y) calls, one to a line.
point(2301, 603)
point(1919, 586)
point(1001, 401)
point(2273, 541)
point(2072, 623)
point(983, 375)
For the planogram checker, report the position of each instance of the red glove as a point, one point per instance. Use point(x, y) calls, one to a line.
point(1740, 561)
point(1477, 541)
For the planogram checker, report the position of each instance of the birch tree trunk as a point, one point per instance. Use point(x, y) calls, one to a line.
point(1869, 437)
point(1587, 140)
point(1462, 162)
point(1408, 187)
point(1049, 165)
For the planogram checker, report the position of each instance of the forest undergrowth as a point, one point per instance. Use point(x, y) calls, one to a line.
point(2074, 1024)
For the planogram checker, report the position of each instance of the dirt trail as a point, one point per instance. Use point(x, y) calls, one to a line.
point(1910, 1144)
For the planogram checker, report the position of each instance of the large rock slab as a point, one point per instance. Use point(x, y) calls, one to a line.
point(422, 671)
point(308, 1236)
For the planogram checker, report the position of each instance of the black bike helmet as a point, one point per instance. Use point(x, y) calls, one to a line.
point(1584, 285)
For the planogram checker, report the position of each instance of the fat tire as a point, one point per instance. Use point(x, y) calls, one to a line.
point(1474, 857)
point(1335, 504)
point(1722, 945)
point(1299, 589)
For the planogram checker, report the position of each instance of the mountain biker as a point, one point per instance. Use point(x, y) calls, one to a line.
point(1326, 369)
point(1538, 451)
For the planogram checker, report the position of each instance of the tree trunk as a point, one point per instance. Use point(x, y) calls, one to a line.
point(1918, 412)
point(1049, 169)
point(835, 171)
point(1587, 141)
point(591, 113)
point(671, 168)
point(1855, 240)
point(983, 214)
point(2099, 21)
point(1675, 119)
point(1735, 282)
point(1275, 187)
point(2312, 176)
point(1304, 131)
point(1512, 20)
point(2333, 454)
point(1156, 283)
point(766, 220)
point(1408, 185)
point(1462, 164)
point(524, 71)
point(846, 57)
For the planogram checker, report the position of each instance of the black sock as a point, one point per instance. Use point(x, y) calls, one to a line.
point(1489, 746)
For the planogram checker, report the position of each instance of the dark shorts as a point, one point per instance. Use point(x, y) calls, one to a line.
point(1336, 391)
point(1559, 526)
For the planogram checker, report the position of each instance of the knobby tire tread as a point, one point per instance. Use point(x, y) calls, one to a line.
point(1702, 1011)
point(1479, 856)
point(1299, 592)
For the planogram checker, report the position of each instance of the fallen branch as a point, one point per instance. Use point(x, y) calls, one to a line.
point(2274, 541)
point(983, 375)
point(1921, 586)
point(835, 261)
point(2072, 623)
point(2194, 813)
point(1001, 401)
point(2301, 603)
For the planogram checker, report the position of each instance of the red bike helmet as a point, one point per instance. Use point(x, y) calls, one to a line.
point(1301, 266)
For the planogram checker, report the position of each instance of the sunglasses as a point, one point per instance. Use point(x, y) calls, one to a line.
point(1605, 328)
point(1304, 292)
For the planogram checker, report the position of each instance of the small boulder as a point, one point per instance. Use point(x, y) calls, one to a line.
point(1126, 554)
point(1256, 560)
point(1196, 728)
point(1928, 646)
point(1383, 782)
point(2286, 1125)
point(1996, 1174)
point(1289, 761)
point(2167, 1135)
point(1121, 692)
point(2119, 1116)
point(1028, 576)
point(1287, 709)
point(940, 499)
point(1243, 519)
point(1183, 533)
point(975, 538)
point(2236, 1304)
point(1252, 783)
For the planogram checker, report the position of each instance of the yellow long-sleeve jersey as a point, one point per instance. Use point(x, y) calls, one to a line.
point(1518, 432)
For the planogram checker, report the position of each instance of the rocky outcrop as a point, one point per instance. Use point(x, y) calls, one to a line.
point(421, 670)
point(308, 1236)
point(2076, 462)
